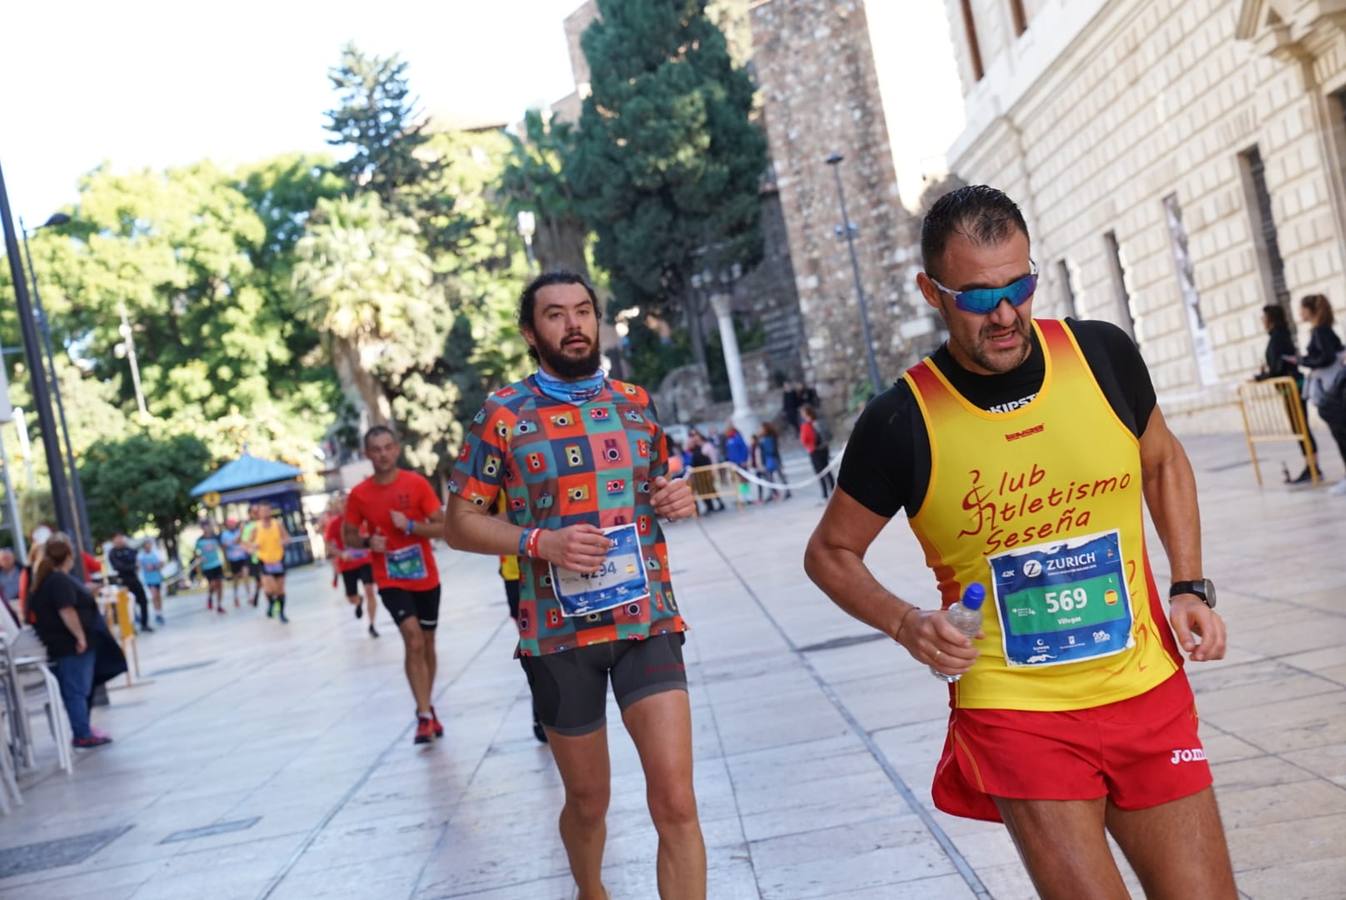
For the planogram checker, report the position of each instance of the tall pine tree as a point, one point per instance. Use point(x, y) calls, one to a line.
point(667, 162)
point(377, 119)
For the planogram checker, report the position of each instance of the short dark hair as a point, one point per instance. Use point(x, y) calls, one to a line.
point(377, 430)
point(978, 212)
point(528, 299)
point(1275, 313)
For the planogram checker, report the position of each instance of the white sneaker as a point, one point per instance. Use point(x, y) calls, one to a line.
point(1338, 489)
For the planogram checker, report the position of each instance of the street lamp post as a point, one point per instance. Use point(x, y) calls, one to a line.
point(60, 491)
point(874, 379)
point(83, 532)
point(527, 228)
point(128, 348)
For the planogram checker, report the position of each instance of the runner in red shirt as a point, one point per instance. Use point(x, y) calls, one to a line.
point(400, 512)
point(352, 565)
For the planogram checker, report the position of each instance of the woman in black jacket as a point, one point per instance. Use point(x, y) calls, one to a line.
point(68, 622)
point(1280, 356)
point(1322, 355)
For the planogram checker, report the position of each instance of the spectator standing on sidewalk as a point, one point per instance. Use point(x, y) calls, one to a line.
point(122, 558)
point(9, 576)
point(68, 623)
point(1326, 382)
point(816, 438)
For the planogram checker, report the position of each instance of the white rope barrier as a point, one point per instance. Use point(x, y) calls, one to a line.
point(715, 469)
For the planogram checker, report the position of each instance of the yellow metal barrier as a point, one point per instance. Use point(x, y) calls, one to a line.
point(123, 625)
point(718, 480)
point(1272, 413)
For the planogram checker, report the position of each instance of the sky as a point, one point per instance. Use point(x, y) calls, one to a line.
point(147, 83)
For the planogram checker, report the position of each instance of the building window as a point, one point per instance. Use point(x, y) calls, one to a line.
point(1118, 269)
point(1069, 303)
point(973, 48)
point(1020, 17)
point(1191, 299)
point(1264, 225)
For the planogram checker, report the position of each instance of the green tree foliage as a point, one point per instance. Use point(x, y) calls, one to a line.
point(192, 255)
point(140, 481)
point(533, 181)
point(377, 120)
point(666, 164)
point(363, 280)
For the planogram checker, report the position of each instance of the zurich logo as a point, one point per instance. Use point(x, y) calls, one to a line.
point(1032, 568)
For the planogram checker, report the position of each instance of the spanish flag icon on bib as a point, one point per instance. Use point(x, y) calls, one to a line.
point(1110, 597)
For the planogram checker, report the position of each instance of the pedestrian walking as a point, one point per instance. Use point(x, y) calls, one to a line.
point(582, 459)
point(1023, 451)
point(767, 461)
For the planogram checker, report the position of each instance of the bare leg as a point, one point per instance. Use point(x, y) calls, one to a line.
point(431, 664)
point(414, 640)
point(661, 726)
point(586, 772)
point(1064, 847)
point(1178, 848)
point(156, 595)
point(371, 603)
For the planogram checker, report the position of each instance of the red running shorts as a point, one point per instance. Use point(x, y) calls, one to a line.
point(1138, 753)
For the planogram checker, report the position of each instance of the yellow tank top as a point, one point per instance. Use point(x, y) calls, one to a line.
point(1043, 506)
point(270, 544)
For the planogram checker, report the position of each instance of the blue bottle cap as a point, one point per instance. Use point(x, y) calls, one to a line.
point(974, 596)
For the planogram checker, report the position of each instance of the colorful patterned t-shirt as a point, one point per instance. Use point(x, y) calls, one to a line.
point(563, 464)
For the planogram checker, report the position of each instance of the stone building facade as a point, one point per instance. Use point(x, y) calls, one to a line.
point(815, 68)
point(1181, 163)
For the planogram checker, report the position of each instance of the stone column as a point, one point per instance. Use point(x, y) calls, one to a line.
point(744, 420)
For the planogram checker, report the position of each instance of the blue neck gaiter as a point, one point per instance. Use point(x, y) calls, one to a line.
point(575, 392)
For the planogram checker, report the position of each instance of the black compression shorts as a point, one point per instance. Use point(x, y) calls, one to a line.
point(353, 577)
point(570, 688)
point(402, 604)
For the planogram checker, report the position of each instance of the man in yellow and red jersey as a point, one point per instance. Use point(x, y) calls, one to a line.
point(1024, 452)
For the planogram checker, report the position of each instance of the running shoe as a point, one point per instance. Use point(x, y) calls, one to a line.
point(434, 719)
point(158, 620)
point(93, 740)
point(220, 609)
point(372, 631)
point(1338, 489)
point(425, 731)
point(359, 610)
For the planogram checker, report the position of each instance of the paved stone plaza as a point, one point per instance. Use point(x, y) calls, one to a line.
point(263, 761)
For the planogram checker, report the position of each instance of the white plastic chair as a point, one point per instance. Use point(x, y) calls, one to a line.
point(36, 691)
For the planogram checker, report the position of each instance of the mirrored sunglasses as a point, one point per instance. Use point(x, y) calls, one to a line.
point(985, 300)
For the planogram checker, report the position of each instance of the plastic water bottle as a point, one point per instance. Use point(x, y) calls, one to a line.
point(966, 617)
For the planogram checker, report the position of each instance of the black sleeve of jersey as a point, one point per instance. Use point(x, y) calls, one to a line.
point(886, 466)
point(1120, 370)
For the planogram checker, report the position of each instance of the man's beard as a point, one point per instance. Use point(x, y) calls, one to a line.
point(1002, 362)
point(566, 366)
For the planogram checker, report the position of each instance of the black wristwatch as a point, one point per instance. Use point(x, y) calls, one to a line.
point(1203, 589)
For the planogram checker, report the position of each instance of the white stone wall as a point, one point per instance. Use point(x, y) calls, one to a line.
point(1149, 98)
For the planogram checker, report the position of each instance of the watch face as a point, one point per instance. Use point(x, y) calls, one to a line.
point(1208, 592)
